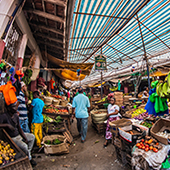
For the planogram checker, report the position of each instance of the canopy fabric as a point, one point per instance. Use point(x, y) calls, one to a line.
point(97, 85)
point(121, 79)
point(86, 67)
point(118, 26)
point(159, 73)
point(68, 75)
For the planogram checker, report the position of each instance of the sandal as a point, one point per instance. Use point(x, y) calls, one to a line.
point(105, 144)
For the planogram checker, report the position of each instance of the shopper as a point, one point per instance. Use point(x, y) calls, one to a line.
point(10, 122)
point(22, 109)
point(81, 110)
point(37, 118)
point(112, 115)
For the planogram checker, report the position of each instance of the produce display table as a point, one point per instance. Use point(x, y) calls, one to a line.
point(63, 116)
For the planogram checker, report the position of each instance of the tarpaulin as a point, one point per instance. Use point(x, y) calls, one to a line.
point(68, 75)
point(85, 67)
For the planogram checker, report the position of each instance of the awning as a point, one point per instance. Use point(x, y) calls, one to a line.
point(68, 75)
point(121, 79)
point(97, 85)
point(159, 73)
point(86, 67)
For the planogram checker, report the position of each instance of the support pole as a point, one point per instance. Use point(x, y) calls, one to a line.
point(101, 85)
point(145, 57)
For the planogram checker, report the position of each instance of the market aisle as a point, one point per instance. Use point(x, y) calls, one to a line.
point(87, 156)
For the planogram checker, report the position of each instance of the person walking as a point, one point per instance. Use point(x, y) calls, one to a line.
point(22, 109)
point(37, 118)
point(81, 110)
point(10, 122)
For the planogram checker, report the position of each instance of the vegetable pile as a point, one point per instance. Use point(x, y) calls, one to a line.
point(54, 142)
point(7, 154)
point(142, 116)
point(147, 124)
point(149, 143)
point(57, 96)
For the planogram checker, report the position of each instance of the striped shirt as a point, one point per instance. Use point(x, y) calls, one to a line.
point(22, 109)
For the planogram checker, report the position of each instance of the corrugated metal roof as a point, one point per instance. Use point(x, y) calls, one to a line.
point(113, 25)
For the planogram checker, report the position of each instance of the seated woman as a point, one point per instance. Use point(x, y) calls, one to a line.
point(113, 114)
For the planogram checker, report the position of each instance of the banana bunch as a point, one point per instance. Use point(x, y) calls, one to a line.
point(163, 88)
point(103, 100)
point(113, 88)
point(48, 93)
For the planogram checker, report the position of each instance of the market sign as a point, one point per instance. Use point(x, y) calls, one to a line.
point(100, 62)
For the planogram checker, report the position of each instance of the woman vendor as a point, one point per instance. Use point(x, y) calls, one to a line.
point(113, 114)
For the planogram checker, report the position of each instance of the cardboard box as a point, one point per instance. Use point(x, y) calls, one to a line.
point(119, 123)
point(142, 127)
point(160, 126)
point(129, 137)
point(56, 149)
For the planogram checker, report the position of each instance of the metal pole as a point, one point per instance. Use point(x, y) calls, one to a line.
point(147, 64)
point(101, 85)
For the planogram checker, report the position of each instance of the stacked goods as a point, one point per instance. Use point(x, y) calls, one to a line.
point(126, 99)
point(119, 98)
point(55, 144)
point(149, 144)
point(7, 154)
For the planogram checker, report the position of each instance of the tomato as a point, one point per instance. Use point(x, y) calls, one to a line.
point(157, 143)
point(146, 149)
point(143, 147)
point(147, 146)
point(141, 143)
point(142, 140)
point(140, 147)
point(155, 149)
point(146, 141)
point(138, 144)
point(151, 147)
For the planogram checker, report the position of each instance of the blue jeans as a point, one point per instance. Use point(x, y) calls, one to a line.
point(82, 125)
point(24, 125)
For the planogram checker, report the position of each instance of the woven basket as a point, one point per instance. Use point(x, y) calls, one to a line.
point(48, 100)
point(63, 103)
point(56, 149)
point(56, 102)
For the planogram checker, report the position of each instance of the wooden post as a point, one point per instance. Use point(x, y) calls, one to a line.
point(101, 85)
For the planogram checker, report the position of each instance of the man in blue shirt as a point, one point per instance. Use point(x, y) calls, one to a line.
point(81, 110)
point(37, 106)
point(22, 109)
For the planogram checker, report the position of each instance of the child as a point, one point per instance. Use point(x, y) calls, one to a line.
point(37, 118)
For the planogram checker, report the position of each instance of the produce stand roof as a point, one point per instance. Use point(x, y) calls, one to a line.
point(115, 26)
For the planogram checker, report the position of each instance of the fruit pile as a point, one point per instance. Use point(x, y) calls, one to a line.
point(149, 143)
point(54, 109)
point(7, 154)
point(57, 96)
point(142, 116)
point(137, 112)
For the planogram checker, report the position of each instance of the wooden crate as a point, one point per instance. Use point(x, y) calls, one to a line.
point(22, 161)
point(100, 127)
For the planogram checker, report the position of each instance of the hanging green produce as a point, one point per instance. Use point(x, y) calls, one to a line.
point(27, 76)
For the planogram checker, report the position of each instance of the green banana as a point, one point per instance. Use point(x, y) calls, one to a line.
point(168, 79)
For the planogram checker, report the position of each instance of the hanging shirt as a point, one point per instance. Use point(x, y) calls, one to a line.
point(52, 83)
point(22, 108)
point(113, 108)
point(37, 110)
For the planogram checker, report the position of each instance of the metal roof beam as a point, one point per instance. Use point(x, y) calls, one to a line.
point(152, 32)
point(47, 28)
point(46, 15)
point(48, 37)
point(54, 51)
point(50, 44)
point(83, 48)
point(82, 13)
point(89, 37)
point(121, 52)
point(57, 2)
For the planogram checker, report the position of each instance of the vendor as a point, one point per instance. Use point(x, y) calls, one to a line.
point(10, 121)
point(145, 92)
point(112, 115)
